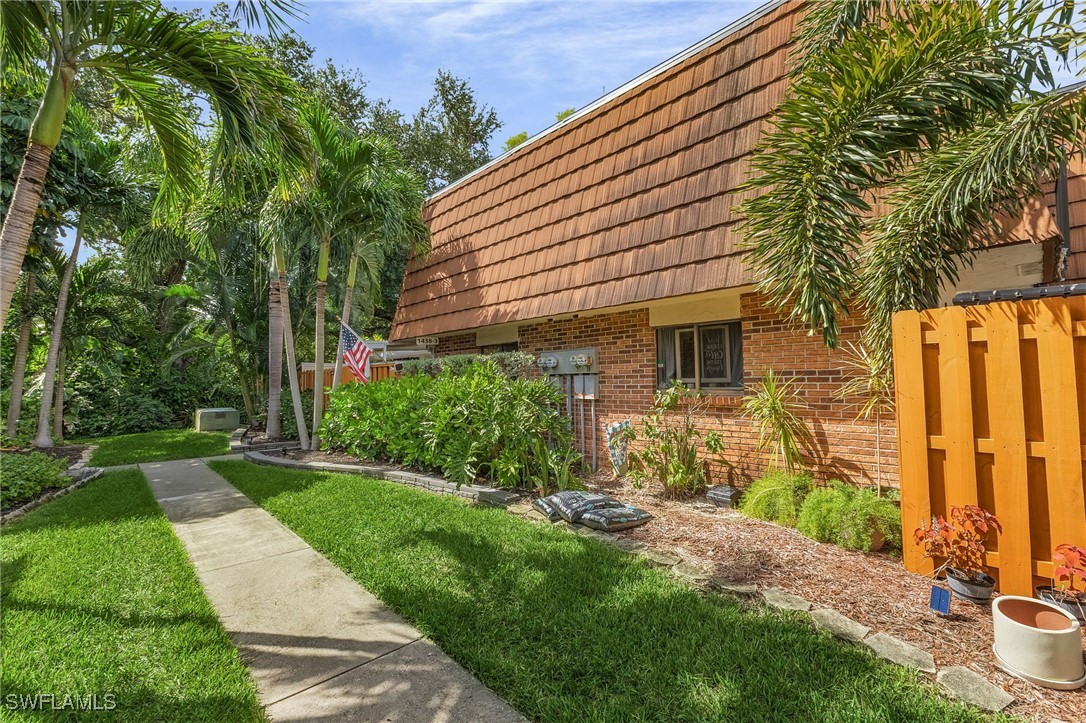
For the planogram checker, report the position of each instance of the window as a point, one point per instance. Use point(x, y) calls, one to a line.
point(701, 355)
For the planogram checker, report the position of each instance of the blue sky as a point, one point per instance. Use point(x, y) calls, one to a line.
point(528, 60)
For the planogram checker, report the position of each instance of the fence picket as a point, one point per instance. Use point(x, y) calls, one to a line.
point(1009, 471)
point(1059, 406)
point(912, 434)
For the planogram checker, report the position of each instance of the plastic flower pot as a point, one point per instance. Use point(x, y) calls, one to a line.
point(1074, 603)
point(972, 588)
point(1038, 641)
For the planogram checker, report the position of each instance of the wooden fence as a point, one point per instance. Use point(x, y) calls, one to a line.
point(991, 405)
point(378, 371)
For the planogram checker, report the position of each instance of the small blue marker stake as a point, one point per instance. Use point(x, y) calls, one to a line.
point(940, 600)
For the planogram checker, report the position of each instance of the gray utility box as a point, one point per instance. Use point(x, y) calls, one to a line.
point(224, 419)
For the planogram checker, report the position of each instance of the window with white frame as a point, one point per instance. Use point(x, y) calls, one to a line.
point(700, 355)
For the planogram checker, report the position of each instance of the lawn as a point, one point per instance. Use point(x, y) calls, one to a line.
point(157, 446)
point(99, 598)
point(570, 629)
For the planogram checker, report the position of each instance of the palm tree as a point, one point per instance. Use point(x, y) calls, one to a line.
point(106, 190)
point(144, 51)
point(908, 127)
point(359, 188)
point(95, 300)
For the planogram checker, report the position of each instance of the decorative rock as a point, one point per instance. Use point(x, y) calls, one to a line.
point(602, 536)
point(968, 687)
point(777, 598)
point(498, 498)
point(521, 509)
point(900, 652)
point(627, 545)
point(733, 587)
point(691, 573)
point(656, 557)
point(838, 625)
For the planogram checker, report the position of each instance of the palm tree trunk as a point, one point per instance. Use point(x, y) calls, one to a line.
point(19, 223)
point(23, 209)
point(345, 317)
point(275, 356)
point(43, 439)
point(15, 404)
point(288, 342)
point(318, 340)
point(58, 406)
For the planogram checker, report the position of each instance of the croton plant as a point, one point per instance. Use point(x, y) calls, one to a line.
point(961, 541)
point(1069, 567)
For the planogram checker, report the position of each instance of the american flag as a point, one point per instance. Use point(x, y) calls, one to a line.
point(355, 353)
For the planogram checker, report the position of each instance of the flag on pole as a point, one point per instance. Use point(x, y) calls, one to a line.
point(355, 353)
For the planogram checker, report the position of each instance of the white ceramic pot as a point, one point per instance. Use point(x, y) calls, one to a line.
point(1038, 641)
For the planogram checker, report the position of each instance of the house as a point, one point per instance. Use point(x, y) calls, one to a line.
point(615, 231)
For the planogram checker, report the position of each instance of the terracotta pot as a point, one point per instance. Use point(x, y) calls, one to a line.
point(964, 586)
point(1038, 641)
point(1071, 602)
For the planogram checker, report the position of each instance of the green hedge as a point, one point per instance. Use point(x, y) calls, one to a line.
point(469, 424)
point(24, 476)
point(513, 364)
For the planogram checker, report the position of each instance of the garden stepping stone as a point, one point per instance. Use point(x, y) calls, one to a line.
point(656, 557)
point(968, 687)
point(839, 625)
point(900, 652)
point(777, 598)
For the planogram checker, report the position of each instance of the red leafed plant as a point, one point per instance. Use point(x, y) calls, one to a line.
point(959, 542)
point(1069, 566)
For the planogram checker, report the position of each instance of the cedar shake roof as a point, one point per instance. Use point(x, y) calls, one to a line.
point(629, 200)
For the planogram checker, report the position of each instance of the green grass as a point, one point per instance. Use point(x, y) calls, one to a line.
point(570, 629)
point(157, 446)
point(98, 597)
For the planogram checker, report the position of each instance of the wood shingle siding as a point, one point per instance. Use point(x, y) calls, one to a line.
point(631, 202)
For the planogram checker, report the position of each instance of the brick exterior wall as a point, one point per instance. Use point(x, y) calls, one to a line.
point(844, 447)
point(456, 344)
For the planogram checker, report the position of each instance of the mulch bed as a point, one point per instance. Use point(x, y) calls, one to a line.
point(873, 589)
point(68, 452)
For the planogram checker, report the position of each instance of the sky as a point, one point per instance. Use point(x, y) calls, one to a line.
point(528, 60)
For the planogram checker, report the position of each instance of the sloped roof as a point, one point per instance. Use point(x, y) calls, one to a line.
point(628, 201)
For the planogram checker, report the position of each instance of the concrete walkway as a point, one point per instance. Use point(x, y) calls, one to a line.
point(317, 644)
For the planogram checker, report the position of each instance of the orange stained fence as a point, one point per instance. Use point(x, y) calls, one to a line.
point(991, 411)
point(378, 371)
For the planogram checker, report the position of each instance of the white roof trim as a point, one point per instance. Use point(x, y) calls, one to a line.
point(626, 87)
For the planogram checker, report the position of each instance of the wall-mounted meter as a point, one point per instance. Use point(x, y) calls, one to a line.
point(547, 362)
point(569, 361)
point(581, 361)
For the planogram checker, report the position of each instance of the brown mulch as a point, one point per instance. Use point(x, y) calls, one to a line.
point(68, 452)
point(873, 589)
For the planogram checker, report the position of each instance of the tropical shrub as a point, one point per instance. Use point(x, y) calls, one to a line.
point(24, 476)
point(670, 453)
point(774, 408)
point(513, 364)
point(849, 517)
point(480, 423)
point(777, 497)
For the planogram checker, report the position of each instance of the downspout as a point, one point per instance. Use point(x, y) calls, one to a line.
point(1063, 222)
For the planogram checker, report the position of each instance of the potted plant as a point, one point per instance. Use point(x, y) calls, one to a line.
point(960, 544)
point(1069, 566)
